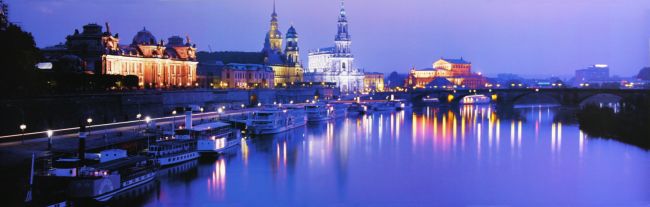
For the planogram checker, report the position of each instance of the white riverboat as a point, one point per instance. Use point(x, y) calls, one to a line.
point(216, 137)
point(273, 120)
point(115, 173)
point(430, 100)
point(319, 112)
point(357, 108)
point(475, 99)
point(174, 151)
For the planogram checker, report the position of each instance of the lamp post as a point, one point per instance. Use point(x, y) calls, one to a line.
point(22, 131)
point(173, 122)
point(90, 122)
point(49, 139)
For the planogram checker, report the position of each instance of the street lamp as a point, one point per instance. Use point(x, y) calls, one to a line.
point(49, 139)
point(138, 116)
point(173, 121)
point(90, 121)
point(22, 129)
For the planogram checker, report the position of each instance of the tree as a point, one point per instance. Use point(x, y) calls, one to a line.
point(17, 65)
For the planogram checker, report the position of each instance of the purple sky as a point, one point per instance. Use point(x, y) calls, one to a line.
point(533, 37)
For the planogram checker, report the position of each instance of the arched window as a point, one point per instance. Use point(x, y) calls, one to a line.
point(343, 65)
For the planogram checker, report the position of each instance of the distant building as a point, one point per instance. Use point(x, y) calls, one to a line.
point(286, 64)
point(456, 71)
point(156, 64)
point(594, 74)
point(373, 82)
point(336, 64)
point(247, 76)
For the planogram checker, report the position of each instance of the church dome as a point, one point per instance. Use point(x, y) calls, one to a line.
point(144, 37)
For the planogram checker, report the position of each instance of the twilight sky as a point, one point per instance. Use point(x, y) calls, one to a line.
point(532, 37)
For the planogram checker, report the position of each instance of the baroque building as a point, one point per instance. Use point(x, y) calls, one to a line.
point(457, 71)
point(286, 64)
point(336, 64)
point(156, 64)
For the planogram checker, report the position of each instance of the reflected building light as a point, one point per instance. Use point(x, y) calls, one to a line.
point(498, 133)
point(559, 136)
point(284, 152)
point(414, 129)
point(519, 133)
point(553, 137)
point(581, 143)
point(490, 125)
point(244, 151)
point(512, 134)
point(455, 131)
point(478, 140)
point(462, 131)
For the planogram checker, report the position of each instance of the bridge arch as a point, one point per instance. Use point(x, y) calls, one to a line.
point(599, 98)
point(534, 97)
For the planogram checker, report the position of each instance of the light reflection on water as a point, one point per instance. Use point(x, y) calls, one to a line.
point(448, 157)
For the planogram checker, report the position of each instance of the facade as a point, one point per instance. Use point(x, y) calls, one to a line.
point(336, 64)
point(595, 73)
point(286, 64)
point(456, 71)
point(373, 82)
point(246, 76)
point(156, 64)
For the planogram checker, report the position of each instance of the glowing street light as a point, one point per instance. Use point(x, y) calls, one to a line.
point(49, 139)
point(89, 120)
point(138, 116)
point(22, 129)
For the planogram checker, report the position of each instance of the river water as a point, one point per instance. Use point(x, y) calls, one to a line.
point(474, 155)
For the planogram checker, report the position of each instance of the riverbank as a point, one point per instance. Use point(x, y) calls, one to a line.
point(629, 124)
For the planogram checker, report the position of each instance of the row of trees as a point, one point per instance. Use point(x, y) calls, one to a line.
point(630, 124)
point(19, 76)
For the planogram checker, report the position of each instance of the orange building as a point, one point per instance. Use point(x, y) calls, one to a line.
point(456, 71)
point(156, 64)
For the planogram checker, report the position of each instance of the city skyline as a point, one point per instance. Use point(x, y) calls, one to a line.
point(479, 31)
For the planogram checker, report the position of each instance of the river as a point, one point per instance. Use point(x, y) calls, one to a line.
point(475, 155)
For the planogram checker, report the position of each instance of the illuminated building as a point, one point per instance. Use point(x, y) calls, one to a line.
point(336, 64)
point(373, 82)
point(286, 65)
point(247, 76)
point(456, 71)
point(157, 65)
point(594, 74)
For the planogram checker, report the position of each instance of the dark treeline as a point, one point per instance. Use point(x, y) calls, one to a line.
point(19, 76)
point(630, 125)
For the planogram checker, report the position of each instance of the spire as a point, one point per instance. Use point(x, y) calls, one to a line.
point(342, 8)
point(274, 15)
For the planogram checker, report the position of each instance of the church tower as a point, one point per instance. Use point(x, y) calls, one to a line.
point(273, 41)
point(343, 39)
point(292, 50)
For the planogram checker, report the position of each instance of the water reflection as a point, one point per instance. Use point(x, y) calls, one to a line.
point(458, 155)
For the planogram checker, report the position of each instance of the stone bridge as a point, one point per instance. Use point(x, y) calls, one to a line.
point(563, 96)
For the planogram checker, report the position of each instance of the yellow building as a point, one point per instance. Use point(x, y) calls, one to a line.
point(373, 82)
point(286, 64)
point(456, 71)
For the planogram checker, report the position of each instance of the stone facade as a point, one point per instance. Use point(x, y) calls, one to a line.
point(336, 64)
point(246, 76)
point(156, 64)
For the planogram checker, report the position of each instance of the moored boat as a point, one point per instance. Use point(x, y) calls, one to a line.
point(273, 120)
point(216, 137)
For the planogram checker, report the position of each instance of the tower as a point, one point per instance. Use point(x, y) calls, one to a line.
point(292, 50)
point(273, 41)
point(343, 39)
